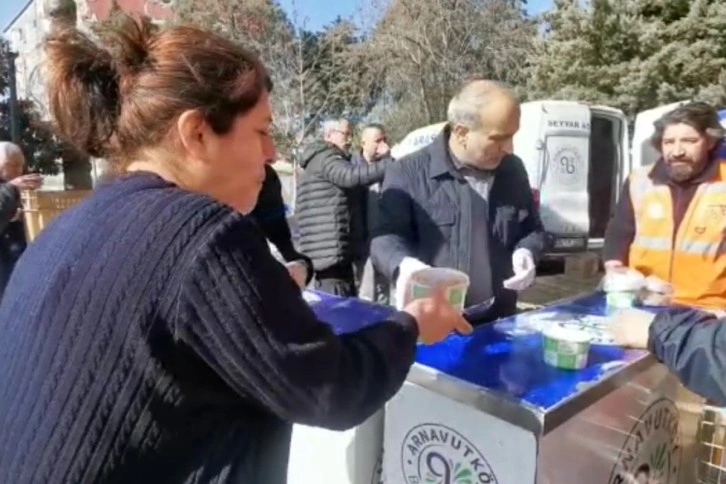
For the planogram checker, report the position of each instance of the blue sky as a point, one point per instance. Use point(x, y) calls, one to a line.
point(316, 13)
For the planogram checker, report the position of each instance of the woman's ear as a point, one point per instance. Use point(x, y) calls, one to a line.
point(192, 130)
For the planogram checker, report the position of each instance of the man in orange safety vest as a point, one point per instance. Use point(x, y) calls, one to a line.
point(670, 221)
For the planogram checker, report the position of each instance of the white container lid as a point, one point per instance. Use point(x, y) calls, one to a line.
point(569, 335)
point(623, 280)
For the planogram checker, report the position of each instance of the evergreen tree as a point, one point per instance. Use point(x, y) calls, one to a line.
point(632, 54)
point(42, 149)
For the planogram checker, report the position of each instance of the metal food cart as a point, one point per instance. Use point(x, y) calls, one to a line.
point(352, 456)
point(485, 408)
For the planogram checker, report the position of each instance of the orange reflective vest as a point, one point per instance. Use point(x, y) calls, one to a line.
point(693, 259)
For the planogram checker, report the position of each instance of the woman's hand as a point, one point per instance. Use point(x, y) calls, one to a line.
point(298, 272)
point(631, 327)
point(437, 318)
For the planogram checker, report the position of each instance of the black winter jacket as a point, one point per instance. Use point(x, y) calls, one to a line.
point(425, 212)
point(692, 344)
point(12, 232)
point(269, 213)
point(325, 199)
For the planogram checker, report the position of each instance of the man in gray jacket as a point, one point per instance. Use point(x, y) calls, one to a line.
point(324, 206)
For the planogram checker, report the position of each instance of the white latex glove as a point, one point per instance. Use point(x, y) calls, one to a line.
point(298, 271)
point(406, 268)
point(524, 271)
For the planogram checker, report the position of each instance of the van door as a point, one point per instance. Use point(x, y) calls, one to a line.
point(610, 164)
point(564, 152)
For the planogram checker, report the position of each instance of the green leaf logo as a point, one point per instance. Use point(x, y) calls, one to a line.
point(658, 457)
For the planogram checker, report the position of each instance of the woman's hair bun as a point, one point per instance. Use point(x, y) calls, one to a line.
point(88, 76)
point(129, 41)
point(83, 90)
point(117, 93)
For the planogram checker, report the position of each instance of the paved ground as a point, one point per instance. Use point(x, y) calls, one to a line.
point(552, 285)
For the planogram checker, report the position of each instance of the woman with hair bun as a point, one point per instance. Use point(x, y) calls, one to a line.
point(148, 335)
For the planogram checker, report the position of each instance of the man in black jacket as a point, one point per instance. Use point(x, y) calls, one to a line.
point(12, 230)
point(372, 285)
point(270, 215)
point(324, 206)
point(464, 202)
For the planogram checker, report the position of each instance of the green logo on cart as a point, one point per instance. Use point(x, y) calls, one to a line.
point(435, 454)
point(651, 453)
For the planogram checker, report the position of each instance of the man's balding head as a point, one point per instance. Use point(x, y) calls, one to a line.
point(12, 161)
point(483, 117)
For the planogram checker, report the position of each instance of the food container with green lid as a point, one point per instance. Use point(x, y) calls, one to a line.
point(424, 281)
point(566, 348)
point(622, 287)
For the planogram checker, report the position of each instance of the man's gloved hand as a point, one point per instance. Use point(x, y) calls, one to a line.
point(524, 271)
point(406, 268)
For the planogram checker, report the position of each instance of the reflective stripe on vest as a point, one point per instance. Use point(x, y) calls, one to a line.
point(694, 258)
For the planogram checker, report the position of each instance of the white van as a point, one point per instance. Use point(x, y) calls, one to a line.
point(416, 140)
point(576, 156)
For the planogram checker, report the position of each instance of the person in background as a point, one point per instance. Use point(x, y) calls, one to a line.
point(464, 202)
point(670, 221)
point(325, 206)
point(271, 216)
point(148, 335)
point(12, 228)
point(373, 144)
point(372, 285)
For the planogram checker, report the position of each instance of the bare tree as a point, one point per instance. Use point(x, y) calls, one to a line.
point(430, 46)
point(316, 74)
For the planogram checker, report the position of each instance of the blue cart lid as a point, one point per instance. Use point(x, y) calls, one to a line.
point(507, 356)
point(344, 314)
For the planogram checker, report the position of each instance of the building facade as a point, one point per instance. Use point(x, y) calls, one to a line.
point(26, 32)
point(32, 23)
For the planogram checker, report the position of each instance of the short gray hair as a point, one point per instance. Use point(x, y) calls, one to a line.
point(333, 125)
point(9, 150)
point(466, 106)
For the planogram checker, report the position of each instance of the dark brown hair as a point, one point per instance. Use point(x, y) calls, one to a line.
point(120, 92)
point(699, 115)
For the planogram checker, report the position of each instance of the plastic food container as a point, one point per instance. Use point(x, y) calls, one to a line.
point(657, 292)
point(622, 287)
point(566, 348)
point(425, 280)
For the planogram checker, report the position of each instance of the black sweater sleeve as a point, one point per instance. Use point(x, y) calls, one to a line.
point(621, 229)
point(248, 320)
